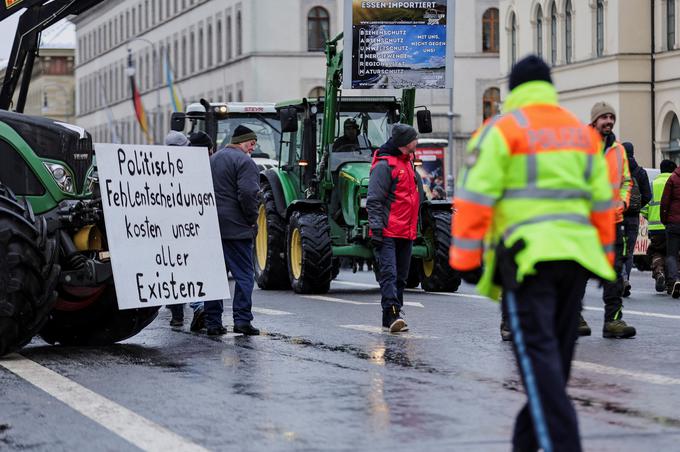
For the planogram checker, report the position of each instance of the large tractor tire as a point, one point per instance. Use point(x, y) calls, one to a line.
point(90, 317)
point(28, 273)
point(413, 279)
point(310, 252)
point(436, 273)
point(270, 245)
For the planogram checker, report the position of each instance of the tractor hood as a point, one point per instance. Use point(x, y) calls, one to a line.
point(356, 172)
point(55, 140)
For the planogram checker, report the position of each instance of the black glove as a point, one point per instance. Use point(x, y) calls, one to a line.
point(377, 238)
point(471, 276)
point(506, 267)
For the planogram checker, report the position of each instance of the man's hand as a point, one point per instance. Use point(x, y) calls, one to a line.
point(471, 276)
point(377, 238)
point(620, 207)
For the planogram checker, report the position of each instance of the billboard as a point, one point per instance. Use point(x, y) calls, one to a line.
point(398, 44)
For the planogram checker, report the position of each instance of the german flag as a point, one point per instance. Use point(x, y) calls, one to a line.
point(138, 106)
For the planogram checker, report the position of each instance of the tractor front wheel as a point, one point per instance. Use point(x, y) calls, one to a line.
point(90, 317)
point(436, 273)
point(28, 273)
point(270, 245)
point(310, 252)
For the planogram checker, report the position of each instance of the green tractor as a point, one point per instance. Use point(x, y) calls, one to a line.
point(313, 208)
point(55, 271)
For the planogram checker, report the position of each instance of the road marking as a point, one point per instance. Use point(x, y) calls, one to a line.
point(379, 330)
point(127, 424)
point(447, 294)
point(640, 313)
point(451, 294)
point(267, 311)
point(336, 300)
point(414, 304)
point(639, 376)
point(356, 284)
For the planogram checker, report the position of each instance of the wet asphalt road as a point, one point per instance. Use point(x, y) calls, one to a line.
point(324, 377)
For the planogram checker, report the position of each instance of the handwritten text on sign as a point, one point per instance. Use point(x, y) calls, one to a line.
point(161, 224)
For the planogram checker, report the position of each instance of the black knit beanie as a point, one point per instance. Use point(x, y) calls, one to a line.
point(667, 166)
point(403, 134)
point(242, 134)
point(201, 139)
point(529, 69)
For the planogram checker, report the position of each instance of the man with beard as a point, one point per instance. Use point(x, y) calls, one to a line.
point(602, 119)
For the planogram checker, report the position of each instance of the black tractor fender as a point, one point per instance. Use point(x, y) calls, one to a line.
point(272, 178)
point(432, 205)
point(305, 205)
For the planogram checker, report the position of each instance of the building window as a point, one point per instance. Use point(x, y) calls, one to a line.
point(209, 45)
point(317, 91)
point(219, 41)
point(200, 49)
point(184, 56)
point(318, 27)
point(192, 52)
point(553, 34)
point(239, 34)
point(674, 138)
point(491, 102)
point(490, 30)
point(539, 31)
point(513, 38)
point(599, 28)
point(567, 32)
point(670, 24)
point(228, 36)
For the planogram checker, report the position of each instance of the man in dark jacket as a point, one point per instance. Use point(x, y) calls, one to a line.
point(639, 198)
point(670, 217)
point(236, 181)
point(392, 203)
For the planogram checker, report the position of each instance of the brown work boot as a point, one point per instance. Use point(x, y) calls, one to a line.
point(660, 282)
point(583, 328)
point(617, 329)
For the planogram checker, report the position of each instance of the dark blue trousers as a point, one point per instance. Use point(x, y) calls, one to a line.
point(548, 308)
point(238, 256)
point(394, 258)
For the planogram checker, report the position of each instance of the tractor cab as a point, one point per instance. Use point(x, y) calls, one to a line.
point(220, 119)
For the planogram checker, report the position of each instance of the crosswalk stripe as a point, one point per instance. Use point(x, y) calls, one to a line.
point(639, 376)
point(130, 426)
point(446, 294)
point(640, 313)
point(414, 304)
point(379, 330)
point(267, 311)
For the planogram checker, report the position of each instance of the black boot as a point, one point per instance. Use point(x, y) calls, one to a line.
point(392, 320)
point(247, 329)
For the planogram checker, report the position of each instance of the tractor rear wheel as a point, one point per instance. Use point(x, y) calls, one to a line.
point(90, 316)
point(436, 273)
point(28, 274)
point(413, 279)
point(310, 252)
point(270, 244)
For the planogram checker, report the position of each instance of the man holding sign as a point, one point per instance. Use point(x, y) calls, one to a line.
point(236, 182)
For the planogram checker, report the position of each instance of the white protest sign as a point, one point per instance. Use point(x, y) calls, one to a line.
point(161, 224)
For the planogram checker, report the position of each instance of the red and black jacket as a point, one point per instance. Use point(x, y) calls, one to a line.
point(393, 196)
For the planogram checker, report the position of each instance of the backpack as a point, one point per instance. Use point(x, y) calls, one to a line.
point(635, 198)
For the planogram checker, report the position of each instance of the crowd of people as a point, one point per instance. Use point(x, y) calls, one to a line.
point(544, 203)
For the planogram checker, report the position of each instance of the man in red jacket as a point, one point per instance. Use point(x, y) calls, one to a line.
point(670, 217)
point(393, 202)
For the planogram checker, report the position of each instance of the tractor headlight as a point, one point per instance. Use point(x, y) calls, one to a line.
point(62, 176)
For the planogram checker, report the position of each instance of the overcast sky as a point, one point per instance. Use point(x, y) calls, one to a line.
point(61, 34)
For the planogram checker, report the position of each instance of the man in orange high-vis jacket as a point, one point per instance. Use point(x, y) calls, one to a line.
point(602, 119)
point(534, 203)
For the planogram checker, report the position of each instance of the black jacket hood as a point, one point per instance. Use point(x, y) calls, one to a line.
point(389, 148)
